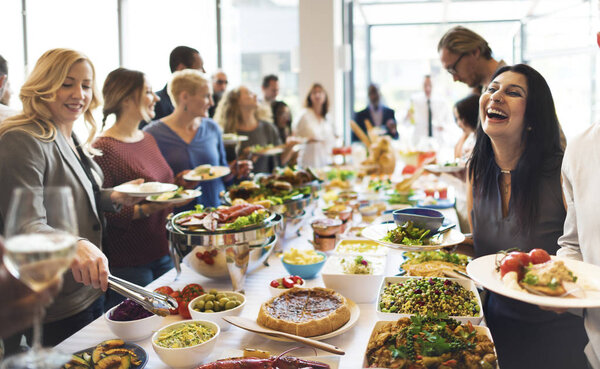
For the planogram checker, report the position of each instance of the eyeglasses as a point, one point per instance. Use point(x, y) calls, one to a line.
point(222, 81)
point(452, 69)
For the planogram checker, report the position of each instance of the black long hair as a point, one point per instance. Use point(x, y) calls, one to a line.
point(542, 151)
point(468, 110)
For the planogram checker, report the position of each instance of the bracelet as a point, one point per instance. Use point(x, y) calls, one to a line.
point(141, 212)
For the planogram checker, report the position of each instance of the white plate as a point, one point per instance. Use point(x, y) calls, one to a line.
point(185, 196)
point(269, 152)
point(480, 329)
point(377, 232)
point(218, 172)
point(483, 271)
point(354, 315)
point(145, 189)
point(231, 140)
point(441, 168)
point(465, 283)
point(332, 360)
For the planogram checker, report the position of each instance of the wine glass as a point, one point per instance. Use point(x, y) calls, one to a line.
point(40, 230)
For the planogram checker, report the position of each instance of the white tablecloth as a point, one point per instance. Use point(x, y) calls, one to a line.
point(354, 341)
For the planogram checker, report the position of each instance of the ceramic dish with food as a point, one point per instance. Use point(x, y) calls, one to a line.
point(584, 292)
point(405, 296)
point(145, 189)
point(304, 263)
point(256, 358)
point(131, 322)
point(386, 233)
point(206, 172)
point(178, 196)
point(185, 344)
point(429, 342)
point(213, 306)
point(280, 285)
point(355, 276)
point(360, 247)
point(437, 263)
point(223, 218)
point(109, 353)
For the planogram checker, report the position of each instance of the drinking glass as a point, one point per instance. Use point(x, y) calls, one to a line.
point(40, 230)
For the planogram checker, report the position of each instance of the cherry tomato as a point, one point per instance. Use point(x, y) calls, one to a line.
point(164, 290)
point(183, 308)
point(274, 283)
point(539, 256)
point(511, 263)
point(177, 296)
point(192, 291)
point(297, 279)
point(409, 169)
point(287, 282)
point(523, 256)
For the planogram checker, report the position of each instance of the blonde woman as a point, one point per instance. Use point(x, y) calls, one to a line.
point(135, 242)
point(187, 138)
point(238, 113)
point(315, 126)
point(38, 149)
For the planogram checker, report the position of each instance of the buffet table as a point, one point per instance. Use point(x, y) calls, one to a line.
point(231, 342)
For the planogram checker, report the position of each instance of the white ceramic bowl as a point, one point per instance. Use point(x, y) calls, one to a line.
point(466, 283)
point(360, 288)
point(217, 317)
point(186, 357)
point(275, 291)
point(133, 330)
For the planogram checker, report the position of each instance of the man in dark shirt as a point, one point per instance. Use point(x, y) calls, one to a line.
point(219, 84)
point(378, 115)
point(182, 57)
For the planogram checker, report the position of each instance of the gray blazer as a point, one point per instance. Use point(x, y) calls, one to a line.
point(28, 162)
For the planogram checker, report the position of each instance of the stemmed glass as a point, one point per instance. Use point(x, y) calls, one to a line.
point(40, 230)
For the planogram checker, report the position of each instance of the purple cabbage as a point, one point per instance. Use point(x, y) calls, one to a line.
point(129, 310)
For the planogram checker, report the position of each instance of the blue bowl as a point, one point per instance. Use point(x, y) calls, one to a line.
point(305, 271)
point(421, 217)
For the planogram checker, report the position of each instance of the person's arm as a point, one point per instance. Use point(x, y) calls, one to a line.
point(569, 241)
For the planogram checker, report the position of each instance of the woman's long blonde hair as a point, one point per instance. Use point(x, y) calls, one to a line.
point(41, 86)
point(229, 112)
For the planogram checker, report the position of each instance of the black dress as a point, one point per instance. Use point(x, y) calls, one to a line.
point(526, 336)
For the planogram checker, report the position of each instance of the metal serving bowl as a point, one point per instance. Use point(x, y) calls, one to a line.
point(230, 253)
point(289, 209)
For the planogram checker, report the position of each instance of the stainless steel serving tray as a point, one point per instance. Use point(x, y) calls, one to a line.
point(290, 208)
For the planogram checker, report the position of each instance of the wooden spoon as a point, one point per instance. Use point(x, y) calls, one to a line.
point(252, 326)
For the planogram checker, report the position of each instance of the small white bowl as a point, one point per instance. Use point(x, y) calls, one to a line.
point(133, 330)
point(186, 357)
point(276, 291)
point(217, 317)
point(360, 288)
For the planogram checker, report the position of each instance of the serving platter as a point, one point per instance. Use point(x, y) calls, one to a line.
point(377, 232)
point(232, 139)
point(184, 196)
point(145, 189)
point(441, 168)
point(332, 360)
point(483, 271)
point(218, 172)
point(354, 315)
point(269, 151)
point(138, 350)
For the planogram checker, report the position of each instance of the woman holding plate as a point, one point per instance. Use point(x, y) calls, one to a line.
point(40, 150)
point(136, 243)
point(187, 138)
point(514, 200)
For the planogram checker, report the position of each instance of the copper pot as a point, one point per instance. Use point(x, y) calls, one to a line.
point(326, 226)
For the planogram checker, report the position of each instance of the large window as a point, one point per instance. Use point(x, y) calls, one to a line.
point(260, 38)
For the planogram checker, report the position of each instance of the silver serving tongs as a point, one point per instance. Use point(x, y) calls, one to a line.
point(154, 302)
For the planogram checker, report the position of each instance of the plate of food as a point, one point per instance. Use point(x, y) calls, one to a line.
point(556, 282)
point(257, 358)
point(266, 150)
point(145, 189)
point(322, 311)
point(434, 338)
point(433, 203)
point(452, 166)
point(206, 172)
point(410, 238)
point(224, 218)
point(113, 353)
point(174, 197)
point(232, 138)
point(435, 263)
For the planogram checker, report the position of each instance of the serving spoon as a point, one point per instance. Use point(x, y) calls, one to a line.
point(252, 326)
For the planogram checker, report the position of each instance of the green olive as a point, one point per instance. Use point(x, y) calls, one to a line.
point(209, 305)
point(221, 296)
point(213, 291)
point(217, 307)
point(230, 305)
point(208, 311)
point(200, 305)
point(223, 300)
point(209, 297)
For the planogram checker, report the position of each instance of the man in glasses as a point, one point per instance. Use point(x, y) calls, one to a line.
point(219, 84)
point(468, 57)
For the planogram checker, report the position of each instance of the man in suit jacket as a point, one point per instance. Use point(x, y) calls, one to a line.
point(378, 114)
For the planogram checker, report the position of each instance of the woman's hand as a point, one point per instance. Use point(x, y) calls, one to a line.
point(123, 199)
point(90, 265)
point(179, 181)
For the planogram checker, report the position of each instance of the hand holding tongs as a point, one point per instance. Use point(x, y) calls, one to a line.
point(154, 302)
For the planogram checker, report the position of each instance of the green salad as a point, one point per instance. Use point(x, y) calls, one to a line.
point(408, 234)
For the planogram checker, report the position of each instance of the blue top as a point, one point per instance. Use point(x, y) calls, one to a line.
point(206, 148)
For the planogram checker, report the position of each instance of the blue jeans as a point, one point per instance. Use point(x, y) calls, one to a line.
point(140, 275)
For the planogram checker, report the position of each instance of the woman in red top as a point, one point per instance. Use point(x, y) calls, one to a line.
point(136, 241)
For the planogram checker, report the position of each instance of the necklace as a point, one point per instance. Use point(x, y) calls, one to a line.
point(504, 171)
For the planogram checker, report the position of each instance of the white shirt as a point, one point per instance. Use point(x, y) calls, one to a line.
point(440, 118)
point(315, 154)
point(581, 238)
